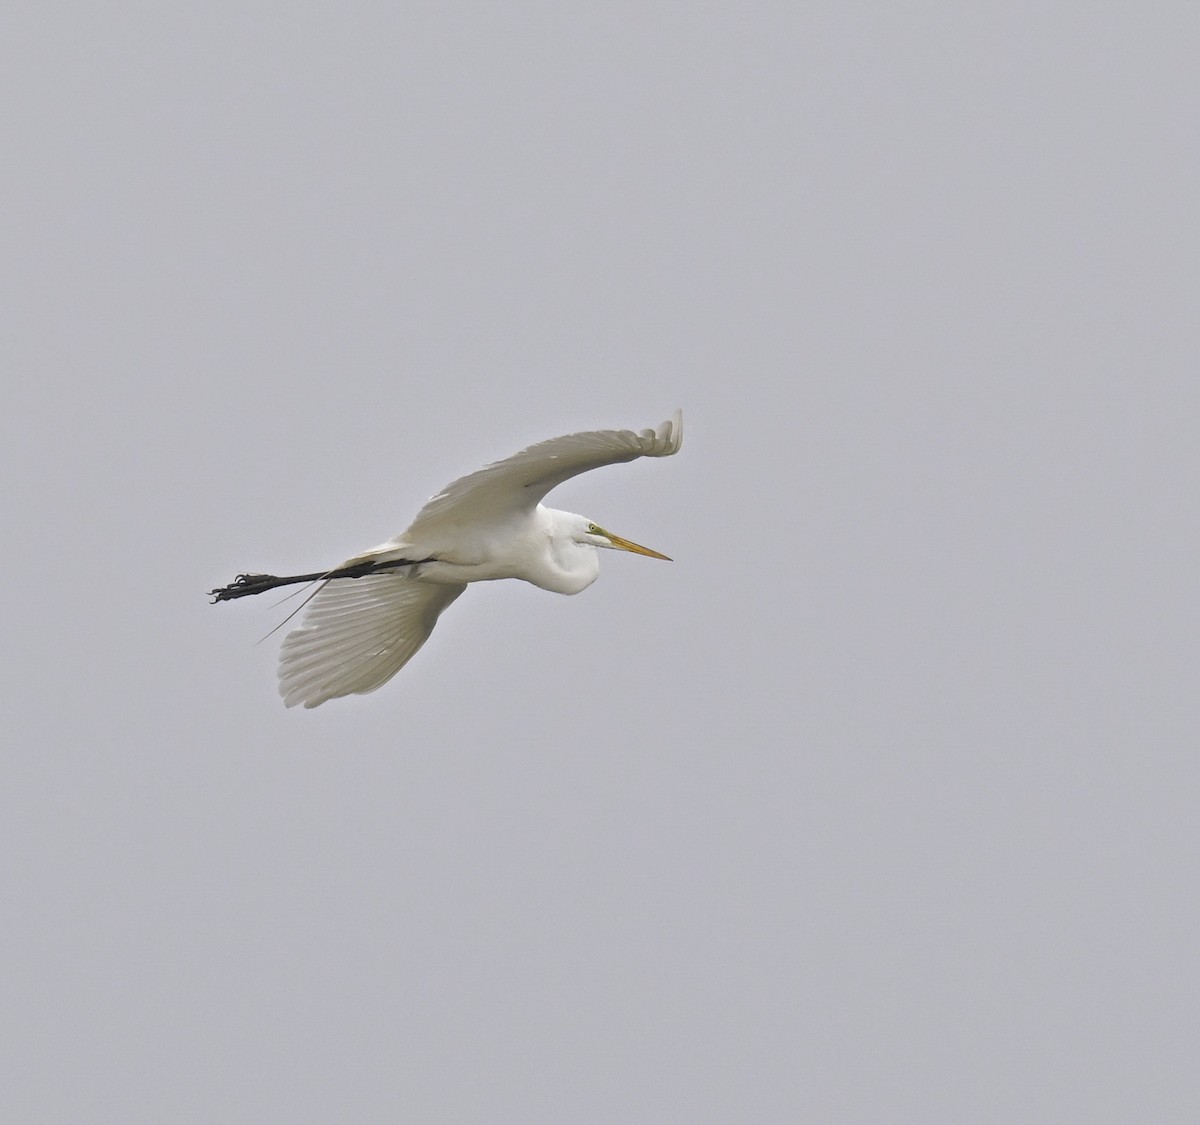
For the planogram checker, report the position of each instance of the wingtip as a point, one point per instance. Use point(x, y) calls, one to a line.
point(671, 431)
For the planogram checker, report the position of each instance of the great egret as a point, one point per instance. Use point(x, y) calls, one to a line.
point(370, 615)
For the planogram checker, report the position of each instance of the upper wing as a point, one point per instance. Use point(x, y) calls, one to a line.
point(357, 633)
point(519, 482)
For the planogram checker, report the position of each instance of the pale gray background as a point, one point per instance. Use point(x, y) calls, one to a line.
point(878, 805)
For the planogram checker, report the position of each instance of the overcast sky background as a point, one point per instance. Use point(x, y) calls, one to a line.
point(879, 804)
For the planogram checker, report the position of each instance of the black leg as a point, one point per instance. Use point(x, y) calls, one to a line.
point(246, 584)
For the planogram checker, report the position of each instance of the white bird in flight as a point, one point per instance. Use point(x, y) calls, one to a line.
point(369, 616)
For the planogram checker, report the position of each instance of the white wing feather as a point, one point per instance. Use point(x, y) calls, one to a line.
point(357, 633)
point(520, 482)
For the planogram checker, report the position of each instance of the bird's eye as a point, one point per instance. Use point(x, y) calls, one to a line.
point(593, 529)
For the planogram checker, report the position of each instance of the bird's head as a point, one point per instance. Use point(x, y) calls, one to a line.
point(594, 534)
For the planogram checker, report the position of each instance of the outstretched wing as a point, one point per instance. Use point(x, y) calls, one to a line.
point(357, 633)
point(518, 483)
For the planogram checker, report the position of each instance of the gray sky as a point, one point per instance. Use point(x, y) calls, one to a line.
point(877, 805)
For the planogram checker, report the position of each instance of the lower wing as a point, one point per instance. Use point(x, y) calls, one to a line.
point(357, 633)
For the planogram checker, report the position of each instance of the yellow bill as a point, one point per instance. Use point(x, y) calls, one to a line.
point(625, 545)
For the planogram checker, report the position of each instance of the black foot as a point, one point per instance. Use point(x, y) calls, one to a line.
point(244, 585)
